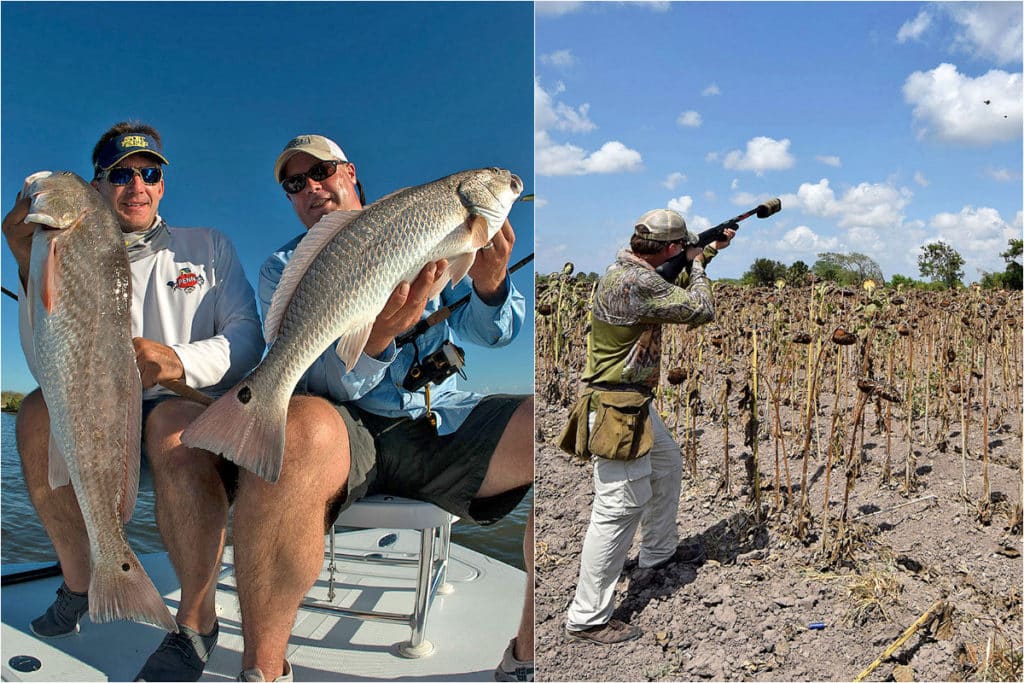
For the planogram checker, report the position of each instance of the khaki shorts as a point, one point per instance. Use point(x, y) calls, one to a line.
point(407, 458)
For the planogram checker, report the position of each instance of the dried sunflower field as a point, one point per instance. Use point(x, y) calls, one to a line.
point(852, 460)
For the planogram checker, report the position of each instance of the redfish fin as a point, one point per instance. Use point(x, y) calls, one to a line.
point(459, 266)
point(479, 233)
point(50, 278)
point(246, 428)
point(119, 593)
point(306, 251)
point(58, 468)
point(352, 343)
point(133, 452)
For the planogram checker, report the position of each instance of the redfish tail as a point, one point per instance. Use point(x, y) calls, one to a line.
point(246, 428)
point(125, 591)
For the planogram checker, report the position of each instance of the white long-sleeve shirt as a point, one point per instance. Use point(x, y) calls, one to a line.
point(194, 297)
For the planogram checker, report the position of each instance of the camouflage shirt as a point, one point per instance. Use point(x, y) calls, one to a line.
point(630, 305)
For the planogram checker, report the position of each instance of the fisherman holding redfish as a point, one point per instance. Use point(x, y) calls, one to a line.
point(334, 300)
point(192, 320)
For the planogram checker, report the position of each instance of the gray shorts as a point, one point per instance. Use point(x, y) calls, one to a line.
point(406, 457)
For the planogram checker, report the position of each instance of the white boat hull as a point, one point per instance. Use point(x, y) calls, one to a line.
point(469, 627)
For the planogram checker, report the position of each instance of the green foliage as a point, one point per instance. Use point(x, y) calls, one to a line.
point(764, 272)
point(897, 281)
point(796, 274)
point(941, 263)
point(847, 269)
point(10, 401)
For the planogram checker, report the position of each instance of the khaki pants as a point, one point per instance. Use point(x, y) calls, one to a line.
point(642, 492)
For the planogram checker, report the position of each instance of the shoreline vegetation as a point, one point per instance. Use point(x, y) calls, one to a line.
point(10, 401)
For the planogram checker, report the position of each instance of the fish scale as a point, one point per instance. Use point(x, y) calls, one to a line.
point(338, 280)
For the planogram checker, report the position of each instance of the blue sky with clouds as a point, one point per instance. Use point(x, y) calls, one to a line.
point(882, 127)
point(411, 92)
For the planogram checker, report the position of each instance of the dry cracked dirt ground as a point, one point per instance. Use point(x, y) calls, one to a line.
point(744, 612)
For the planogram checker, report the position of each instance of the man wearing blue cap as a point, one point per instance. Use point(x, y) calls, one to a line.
point(194, 320)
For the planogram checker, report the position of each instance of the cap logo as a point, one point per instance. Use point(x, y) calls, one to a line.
point(300, 141)
point(133, 141)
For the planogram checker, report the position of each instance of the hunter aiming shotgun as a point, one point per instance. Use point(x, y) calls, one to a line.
point(670, 269)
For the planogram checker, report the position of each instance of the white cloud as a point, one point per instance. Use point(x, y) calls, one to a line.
point(566, 159)
point(734, 184)
point(920, 179)
point(710, 196)
point(864, 240)
point(673, 179)
point(991, 30)
point(550, 8)
point(681, 204)
point(951, 106)
point(539, 202)
point(560, 58)
point(980, 231)
point(1002, 175)
point(711, 90)
point(829, 160)
point(868, 205)
point(762, 154)
point(803, 240)
point(711, 157)
point(553, 158)
point(913, 29)
point(689, 119)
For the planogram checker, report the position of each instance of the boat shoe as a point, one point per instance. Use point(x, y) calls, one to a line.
point(255, 674)
point(182, 656)
point(512, 669)
point(61, 618)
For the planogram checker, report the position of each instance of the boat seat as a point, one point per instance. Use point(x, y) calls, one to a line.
point(394, 512)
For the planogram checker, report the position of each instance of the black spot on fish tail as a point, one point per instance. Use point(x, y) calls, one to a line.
point(245, 394)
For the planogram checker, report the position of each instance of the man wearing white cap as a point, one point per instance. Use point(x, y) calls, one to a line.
point(637, 465)
point(354, 431)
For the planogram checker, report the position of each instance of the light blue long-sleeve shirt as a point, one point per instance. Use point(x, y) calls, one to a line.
point(375, 384)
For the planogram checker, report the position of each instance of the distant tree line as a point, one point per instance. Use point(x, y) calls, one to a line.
point(10, 401)
point(938, 262)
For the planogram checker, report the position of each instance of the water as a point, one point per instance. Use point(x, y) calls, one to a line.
point(23, 539)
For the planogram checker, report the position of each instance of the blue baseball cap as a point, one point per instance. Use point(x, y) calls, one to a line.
point(125, 145)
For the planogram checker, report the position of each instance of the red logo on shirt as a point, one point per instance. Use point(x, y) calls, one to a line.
point(186, 281)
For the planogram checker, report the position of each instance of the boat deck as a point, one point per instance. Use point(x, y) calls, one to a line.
point(469, 627)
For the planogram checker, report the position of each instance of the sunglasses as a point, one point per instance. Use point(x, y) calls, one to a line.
point(294, 184)
point(150, 175)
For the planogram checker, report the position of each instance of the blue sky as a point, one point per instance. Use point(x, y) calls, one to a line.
point(411, 92)
point(868, 119)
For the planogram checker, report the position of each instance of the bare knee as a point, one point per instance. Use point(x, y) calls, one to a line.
point(32, 426)
point(316, 456)
point(162, 432)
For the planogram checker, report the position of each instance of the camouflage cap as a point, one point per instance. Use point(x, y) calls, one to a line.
point(663, 225)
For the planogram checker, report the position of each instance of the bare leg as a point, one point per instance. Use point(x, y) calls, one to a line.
point(191, 510)
point(279, 530)
point(57, 508)
point(511, 467)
